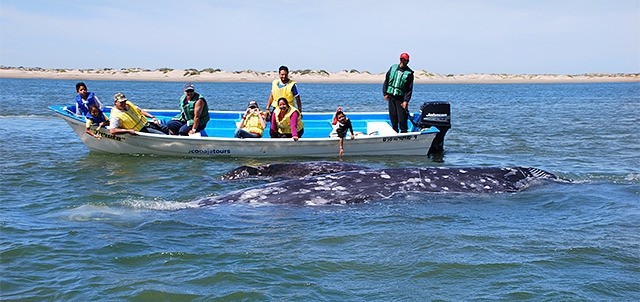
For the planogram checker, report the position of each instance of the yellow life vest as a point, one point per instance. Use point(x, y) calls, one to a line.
point(253, 124)
point(284, 124)
point(284, 92)
point(132, 118)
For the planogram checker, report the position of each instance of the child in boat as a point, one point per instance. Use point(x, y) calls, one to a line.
point(95, 116)
point(84, 98)
point(344, 124)
point(334, 123)
point(335, 117)
point(253, 122)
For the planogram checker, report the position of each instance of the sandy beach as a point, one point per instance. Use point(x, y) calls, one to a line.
point(309, 76)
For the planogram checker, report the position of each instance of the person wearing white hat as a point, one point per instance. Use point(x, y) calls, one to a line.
point(253, 122)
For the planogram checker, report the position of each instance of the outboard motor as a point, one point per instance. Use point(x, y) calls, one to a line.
point(437, 114)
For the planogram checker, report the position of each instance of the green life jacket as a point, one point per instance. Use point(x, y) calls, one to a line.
point(397, 80)
point(187, 110)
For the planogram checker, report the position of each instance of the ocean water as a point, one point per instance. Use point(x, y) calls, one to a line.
point(78, 226)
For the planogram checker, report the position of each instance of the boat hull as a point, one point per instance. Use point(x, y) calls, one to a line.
point(365, 144)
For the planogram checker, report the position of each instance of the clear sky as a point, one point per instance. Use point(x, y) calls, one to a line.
point(442, 36)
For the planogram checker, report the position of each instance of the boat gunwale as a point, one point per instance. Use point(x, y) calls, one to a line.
point(61, 109)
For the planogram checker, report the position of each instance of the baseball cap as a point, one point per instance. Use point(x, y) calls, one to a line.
point(119, 97)
point(252, 104)
point(188, 86)
point(405, 56)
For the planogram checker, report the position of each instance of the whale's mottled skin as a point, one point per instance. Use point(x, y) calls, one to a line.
point(282, 171)
point(358, 186)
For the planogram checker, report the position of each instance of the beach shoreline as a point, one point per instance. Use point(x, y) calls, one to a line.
point(307, 76)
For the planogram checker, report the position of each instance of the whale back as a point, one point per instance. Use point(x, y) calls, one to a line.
point(364, 185)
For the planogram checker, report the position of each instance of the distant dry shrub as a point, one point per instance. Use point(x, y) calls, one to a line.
point(211, 70)
point(249, 71)
point(428, 74)
point(190, 72)
point(131, 70)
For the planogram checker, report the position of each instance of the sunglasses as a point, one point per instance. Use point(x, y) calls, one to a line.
point(189, 91)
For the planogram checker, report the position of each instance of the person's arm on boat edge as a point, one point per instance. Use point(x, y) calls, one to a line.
point(122, 131)
point(117, 131)
point(87, 130)
point(350, 127)
point(197, 110)
point(294, 126)
point(274, 125)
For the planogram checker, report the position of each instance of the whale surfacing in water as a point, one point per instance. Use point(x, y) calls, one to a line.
point(358, 186)
point(290, 170)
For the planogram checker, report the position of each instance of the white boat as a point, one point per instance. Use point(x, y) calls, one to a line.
point(374, 137)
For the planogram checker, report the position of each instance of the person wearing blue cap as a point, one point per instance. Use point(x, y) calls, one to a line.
point(194, 113)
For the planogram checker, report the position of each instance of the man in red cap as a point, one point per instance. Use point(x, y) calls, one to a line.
point(397, 90)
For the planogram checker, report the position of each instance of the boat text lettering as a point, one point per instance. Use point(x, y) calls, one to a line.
point(399, 138)
point(210, 151)
point(111, 136)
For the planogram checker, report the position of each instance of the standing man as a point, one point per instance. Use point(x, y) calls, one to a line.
point(283, 87)
point(397, 90)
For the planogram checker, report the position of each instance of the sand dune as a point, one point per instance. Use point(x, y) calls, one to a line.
point(309, 76)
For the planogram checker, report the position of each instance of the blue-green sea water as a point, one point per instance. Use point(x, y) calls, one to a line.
point(79, 226)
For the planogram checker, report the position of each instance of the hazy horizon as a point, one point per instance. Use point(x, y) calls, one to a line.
point(444, 37)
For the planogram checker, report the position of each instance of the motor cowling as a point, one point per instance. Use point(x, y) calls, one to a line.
point(435, 114)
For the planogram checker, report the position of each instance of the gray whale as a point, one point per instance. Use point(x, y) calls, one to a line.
point(290, 170)
point(364, 185)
